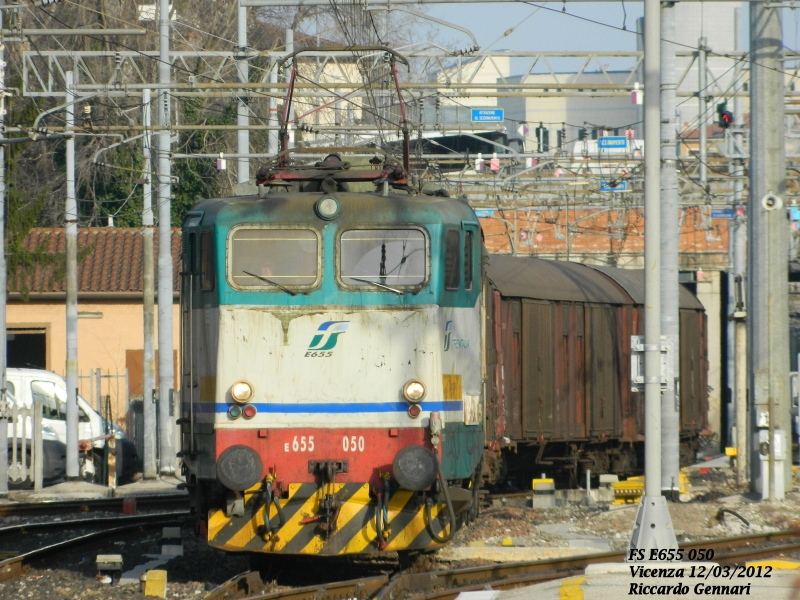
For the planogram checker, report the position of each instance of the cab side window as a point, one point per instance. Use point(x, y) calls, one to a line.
point(10, 387)
point(467, 260)
point(52, 407)
point(452, 274)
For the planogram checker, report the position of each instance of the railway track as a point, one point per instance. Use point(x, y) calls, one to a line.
point(126, 527)
point(446, 585)
point(14, 531)
point(158, 501)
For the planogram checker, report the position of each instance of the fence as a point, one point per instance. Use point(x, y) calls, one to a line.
point(96, 386)
point(25, 457)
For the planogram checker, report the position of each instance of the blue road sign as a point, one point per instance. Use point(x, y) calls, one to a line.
point(483, 213)
point(487, 115)
point(723, 213)
point(612, 142)
point(621, 186)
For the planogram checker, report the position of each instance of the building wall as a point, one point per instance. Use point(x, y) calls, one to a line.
point(102, 342)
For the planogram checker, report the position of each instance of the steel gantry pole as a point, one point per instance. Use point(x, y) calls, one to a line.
point(166, 375)
point(273, 141)
point(653, 526)
point(767, 265)
point(150, 469)
point(670, 241)
point(288, 67)
point(702, 104)
point(3, 279)
point(242, 115)
point(738, 246)
point(71, 222)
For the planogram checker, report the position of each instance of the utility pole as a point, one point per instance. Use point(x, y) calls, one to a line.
point(71, 221)
point(653, 526)
point(3, 278)
point(242, 115)
point(767, 266)
point(166, 373)
point(670, 240)
point(702, 104)
point(737, 279)
point(150, 470)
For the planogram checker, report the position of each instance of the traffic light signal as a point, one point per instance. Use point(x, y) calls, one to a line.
point(724, 116)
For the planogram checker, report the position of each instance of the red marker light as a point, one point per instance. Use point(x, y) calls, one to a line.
point(414, 411)
point(249, 411)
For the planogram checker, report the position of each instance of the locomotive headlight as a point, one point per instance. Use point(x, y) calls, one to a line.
point(414, 391)
point(241, 391)
point(327, 208)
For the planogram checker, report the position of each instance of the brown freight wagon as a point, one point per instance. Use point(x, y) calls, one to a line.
point(559, 398)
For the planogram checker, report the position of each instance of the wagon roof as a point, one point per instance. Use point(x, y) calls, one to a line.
point(527, 277)
point(632, 280)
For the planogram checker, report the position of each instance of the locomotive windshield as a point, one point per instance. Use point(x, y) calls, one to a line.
point(273, 258)
point(390, 257)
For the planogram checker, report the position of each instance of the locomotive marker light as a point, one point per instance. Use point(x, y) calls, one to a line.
point(327, 208)
point(414, 411)
point(234, 412)
point(249, 411)
point(242, 392)
point(414, 391)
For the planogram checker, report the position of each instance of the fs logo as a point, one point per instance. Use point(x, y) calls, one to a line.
point(448, 331)
point(326, 337)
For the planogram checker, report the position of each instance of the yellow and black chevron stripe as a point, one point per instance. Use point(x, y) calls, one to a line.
point(355, 524)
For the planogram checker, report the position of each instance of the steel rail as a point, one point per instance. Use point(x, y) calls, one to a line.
point(108, 504)
point(12, 567)
point(27, 528)
point(353, 589)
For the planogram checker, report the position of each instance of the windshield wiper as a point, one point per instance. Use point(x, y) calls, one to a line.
point(380, 285)
point(277, 285)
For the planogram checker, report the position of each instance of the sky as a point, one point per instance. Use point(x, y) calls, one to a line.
point(545, 29)
point(552, 30)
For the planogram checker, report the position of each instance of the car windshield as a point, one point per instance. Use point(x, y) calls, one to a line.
point(274, 258)
point(390, 257)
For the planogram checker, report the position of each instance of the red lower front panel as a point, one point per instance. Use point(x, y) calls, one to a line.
point(286, 453)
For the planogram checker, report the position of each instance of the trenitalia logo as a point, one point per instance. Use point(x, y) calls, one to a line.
point(327, 334)
point(448, 330)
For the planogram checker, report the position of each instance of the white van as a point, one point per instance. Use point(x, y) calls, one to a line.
point(29, 385)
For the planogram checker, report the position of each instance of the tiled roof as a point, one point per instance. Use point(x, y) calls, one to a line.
point(114, 264)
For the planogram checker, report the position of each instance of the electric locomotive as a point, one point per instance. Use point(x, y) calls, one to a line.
point(331, 363)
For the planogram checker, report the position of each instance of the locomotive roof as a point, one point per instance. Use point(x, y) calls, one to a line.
point(633, 282)
point(527, 277)
point(535, 278)
point(298, 207)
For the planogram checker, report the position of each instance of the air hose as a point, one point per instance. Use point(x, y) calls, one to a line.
point(281, 517)
point(451, 513)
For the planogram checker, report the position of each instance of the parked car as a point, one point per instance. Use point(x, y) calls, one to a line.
point(29, 385)
point(54, 451)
